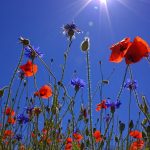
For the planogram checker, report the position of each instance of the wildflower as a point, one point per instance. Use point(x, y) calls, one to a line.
point(22, 119)
point(136, 134)
point(119, 50)
point(32, 53)
point(68, 145)
point(131, 84)
point(107, 118)
point(44, 92)
point(18, 137)
point(70, 29)
point(115, 104)
point(9, 112)
point(85, 45)
point(29, 110)
point(37, 110)
point(101, 105)
point(77, 83)
point(24, 41)
point(137, 145)
point(21, 147)
point(11, 120)
point(137, 51)
point(29, 69)
point(7, 134)
point(78, 137)
point(97, 136)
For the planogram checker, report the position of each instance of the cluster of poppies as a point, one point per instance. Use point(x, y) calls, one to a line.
point(138, 144)
point(132, 51)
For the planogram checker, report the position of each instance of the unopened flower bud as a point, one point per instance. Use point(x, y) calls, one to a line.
point(85, 45)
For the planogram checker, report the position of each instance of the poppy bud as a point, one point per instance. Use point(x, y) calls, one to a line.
point(144, 122)
point(85, 45)
point(121, 126)
point(116, 139)
point(145, 107)
point(1, 92)
point(131, 125)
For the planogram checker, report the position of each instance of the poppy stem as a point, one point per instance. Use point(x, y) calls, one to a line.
point(10, 85)
point(137, 98)
point(90, 99)
point(122, 85)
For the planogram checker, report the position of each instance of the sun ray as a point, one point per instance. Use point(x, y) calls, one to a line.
point(82, 8)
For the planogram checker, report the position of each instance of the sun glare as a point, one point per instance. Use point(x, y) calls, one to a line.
point(103, 1)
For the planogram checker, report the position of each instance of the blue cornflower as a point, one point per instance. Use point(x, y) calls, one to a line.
point(115, 104)
point(131, 84)
point(29, 109)
point(70, 29)
point(33, 54)
point(18, 137)
point(21, 118)
point(107, 118)
point(77, 83)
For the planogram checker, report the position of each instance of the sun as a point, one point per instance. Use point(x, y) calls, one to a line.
point(103, 1)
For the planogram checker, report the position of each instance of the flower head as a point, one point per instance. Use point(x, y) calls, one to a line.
point(97, 136)
point(77, 83)
point(131, 84)
point(10, 112)
point(137, 145)
point(21, 118)
point(115, 104)
point(37, 110)
point(29, 69)
point(68, 145)
point(136, 134)
point(78, 137)
point(18, 137)
point(44, 92)
point(101, 105)
point(29, 110)
point(33, 53)
point(119, 50)
point(70, 29)
point(137, 51)
point(107, 118)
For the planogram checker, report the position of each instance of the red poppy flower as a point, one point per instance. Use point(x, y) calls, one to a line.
point(101, 105)
point(7, 133)
point(137, 51)
point(137, 145)
point(29, 69)
point(9, 112)
point(11, 120)
point(119, 50)
point(136, 134)
point(44, 92)
point(68, 145)
point(69, 140)
point(97, 136)
point(78, 137)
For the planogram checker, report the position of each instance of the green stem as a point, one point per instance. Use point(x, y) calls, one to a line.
point(122, 85)
point(10, 85)
point(90, 99)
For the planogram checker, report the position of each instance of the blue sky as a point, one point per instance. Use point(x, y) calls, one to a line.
point(41, 22)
